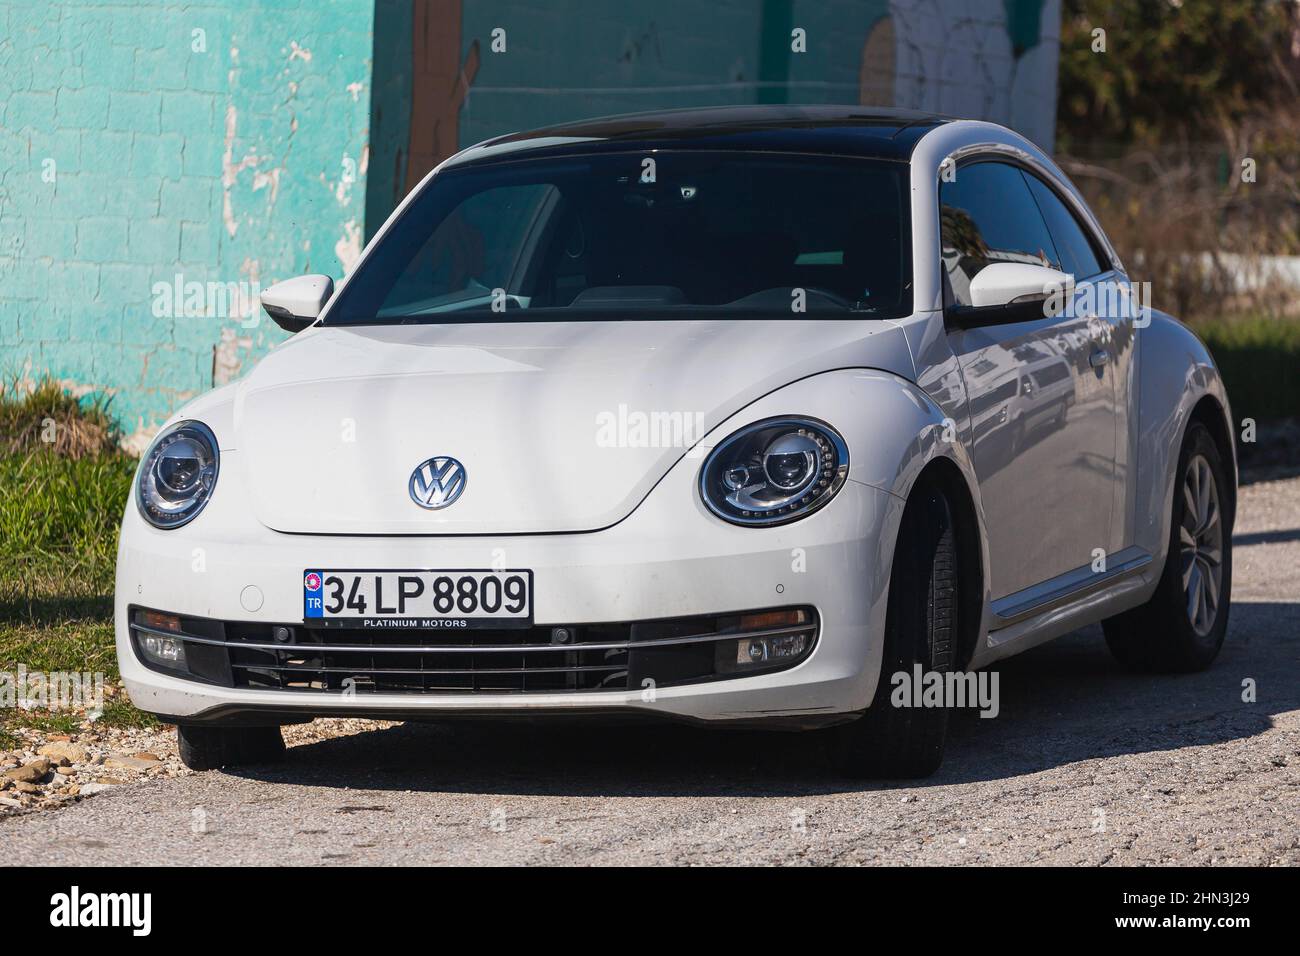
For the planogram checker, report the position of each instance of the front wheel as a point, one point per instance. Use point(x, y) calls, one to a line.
point(1182, 627)
point(208, 748)
point(896, 742)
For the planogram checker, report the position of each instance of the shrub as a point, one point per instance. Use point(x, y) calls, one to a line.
point(1259, 357)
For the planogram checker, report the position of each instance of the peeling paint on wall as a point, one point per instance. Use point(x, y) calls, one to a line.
point(230, 170)
point(348, 248)
point(171, 162)
point(226, 360)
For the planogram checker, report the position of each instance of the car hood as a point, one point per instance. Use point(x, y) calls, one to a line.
point(559, 426)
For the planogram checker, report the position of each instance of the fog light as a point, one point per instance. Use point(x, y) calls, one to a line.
point(762, 650)
point(163, 650)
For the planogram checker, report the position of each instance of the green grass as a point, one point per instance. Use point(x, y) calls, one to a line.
point(61, 503)
point(58, 522)
point(1259, 357)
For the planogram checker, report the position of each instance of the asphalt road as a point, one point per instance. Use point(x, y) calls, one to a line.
point(1084, 765)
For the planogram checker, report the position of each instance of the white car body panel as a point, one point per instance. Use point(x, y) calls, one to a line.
point(661, 561)
point(620, 534)
point(555, 394)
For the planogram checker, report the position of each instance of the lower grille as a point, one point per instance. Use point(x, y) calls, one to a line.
point(590, 657)
point(417, 662)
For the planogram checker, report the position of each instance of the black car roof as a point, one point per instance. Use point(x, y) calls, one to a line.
point(832, 130)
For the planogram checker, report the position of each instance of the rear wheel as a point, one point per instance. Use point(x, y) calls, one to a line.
point(920, 628)
point(208, 748)
point(1182, 627)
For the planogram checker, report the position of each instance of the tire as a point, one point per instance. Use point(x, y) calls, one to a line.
point(920, 628)
point(1163, 635)
point(209, 748)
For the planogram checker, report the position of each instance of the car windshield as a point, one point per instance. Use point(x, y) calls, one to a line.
point(661, 236)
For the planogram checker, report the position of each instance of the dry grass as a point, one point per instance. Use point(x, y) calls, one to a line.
point(1186, 220)
point(45, 417)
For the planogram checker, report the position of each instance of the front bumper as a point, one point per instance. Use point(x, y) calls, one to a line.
point(668, 559)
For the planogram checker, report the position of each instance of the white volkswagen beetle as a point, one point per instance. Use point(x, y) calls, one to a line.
point(739, 416)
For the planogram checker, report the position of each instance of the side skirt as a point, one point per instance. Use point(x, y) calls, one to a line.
point(1037, 614)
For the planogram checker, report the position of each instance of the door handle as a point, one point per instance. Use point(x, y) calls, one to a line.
point(1099, 358)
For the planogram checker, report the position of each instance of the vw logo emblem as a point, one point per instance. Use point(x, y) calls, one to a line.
point(437, 482)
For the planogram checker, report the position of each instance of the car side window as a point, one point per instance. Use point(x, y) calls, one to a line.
point(1077, 254)
point(987, 214)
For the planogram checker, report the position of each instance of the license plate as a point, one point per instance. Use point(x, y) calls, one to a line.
point(417, 598)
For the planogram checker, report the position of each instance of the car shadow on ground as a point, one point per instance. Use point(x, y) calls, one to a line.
point(1065, 702)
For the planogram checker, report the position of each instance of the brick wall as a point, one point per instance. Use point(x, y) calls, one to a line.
point(221, 143)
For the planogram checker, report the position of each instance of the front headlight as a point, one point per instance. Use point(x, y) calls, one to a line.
point(774, 471)
point(178, 474)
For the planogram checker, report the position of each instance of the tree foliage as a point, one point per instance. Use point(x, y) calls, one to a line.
point(1173, 70)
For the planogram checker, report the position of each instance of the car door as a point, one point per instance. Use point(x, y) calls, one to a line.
point(1100, 295)
point(1042, 416)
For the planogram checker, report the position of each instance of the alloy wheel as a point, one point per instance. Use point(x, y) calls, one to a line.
point(1201, 545)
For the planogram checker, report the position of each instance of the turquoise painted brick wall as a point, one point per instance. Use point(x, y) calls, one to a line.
point(224, 144)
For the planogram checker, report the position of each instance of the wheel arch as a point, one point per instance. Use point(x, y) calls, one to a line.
point(944, 475)
point(1178, 383)
point(1211, 413)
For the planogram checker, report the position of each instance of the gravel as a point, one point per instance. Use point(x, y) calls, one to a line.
point(1085, 764)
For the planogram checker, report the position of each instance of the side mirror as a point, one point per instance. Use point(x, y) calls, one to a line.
point(295, 303)
point(1015, 292)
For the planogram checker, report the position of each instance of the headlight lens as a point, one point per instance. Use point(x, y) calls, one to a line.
point(774, 471)
point(178, 475)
